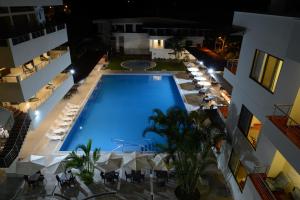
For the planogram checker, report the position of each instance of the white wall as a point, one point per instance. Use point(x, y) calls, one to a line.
point(49, 104)
point(7, 3)
point(273, 35)
point(28, 50)
point(134, 43)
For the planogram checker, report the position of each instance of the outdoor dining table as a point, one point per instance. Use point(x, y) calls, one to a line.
point(34, 177)
point(193, 69)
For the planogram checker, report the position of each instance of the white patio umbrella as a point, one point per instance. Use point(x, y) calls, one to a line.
point(159, 163)
point(190, 65)
point(54, 163)
point(197, 73)
point(199, 78)
point(114, 162)
point(31, 164)
point(137, 161)
point(193, 69)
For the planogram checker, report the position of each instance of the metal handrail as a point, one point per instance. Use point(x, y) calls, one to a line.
point(15, 146)
point(279, 107)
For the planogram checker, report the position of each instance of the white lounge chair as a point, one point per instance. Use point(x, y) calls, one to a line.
point(73, 111)
point(71, 105)
point(65, 118)
point(62, 123)
point(55, 137)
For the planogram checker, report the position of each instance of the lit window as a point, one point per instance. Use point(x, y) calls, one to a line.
point(250, 126)
point(158, 43)
point(266, 69)
point(238, 170)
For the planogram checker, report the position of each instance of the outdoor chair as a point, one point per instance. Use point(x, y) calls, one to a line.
point(102, 176)
point(30, 183)
point(62, 183)
point(128, 176)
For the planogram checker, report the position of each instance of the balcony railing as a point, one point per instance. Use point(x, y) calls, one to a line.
point(232, 64)
point(43, 95)
point(14, 143)
point(18, 77)
point(41, 31)
point(282, 119)
point(258, 180)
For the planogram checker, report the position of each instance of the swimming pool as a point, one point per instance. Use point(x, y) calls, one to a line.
point(118, 111)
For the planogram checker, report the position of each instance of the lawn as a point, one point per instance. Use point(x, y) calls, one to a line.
point(161, 65)
point(168, 65)
point(115, 61)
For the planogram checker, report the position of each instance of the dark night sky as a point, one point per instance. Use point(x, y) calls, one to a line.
point(208, 11)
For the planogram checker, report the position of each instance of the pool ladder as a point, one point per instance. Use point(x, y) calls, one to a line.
point(147, 147)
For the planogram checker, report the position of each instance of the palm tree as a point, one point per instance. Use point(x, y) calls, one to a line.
point(84, 163)
point(176, 43)
point(189, 144)
point(168, 126)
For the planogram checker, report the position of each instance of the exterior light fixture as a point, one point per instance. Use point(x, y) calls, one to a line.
point(37, 113)
point(72, 71)
point(210, 70)
point(201, 62)
point(80, 127)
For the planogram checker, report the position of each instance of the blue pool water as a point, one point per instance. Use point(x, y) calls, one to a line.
point(118, 111)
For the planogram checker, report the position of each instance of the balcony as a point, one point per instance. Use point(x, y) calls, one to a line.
point(18, 50)
point(282, 119)
point(223, 111)
point(23, 82)
point(232, 65)
point(261, 187)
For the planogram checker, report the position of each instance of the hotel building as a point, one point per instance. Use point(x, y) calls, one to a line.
point(262, 159)
point(33, 77)
point(148, 35)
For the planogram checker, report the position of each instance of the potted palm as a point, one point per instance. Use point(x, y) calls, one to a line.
point(189, 144)
point(82, 159)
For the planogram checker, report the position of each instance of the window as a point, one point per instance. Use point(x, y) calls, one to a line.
point(139, 28)
point(266, 69)
point(238, 170)
point(250, 126)
point(158, 43)
point(129, 28)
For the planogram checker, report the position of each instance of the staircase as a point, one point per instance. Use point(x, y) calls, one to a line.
point(16, 138)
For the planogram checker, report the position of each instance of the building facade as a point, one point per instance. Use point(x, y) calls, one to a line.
point(147, 35)
point(262, 161)
point(33, 61)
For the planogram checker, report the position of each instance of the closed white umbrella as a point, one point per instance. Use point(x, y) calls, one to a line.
point(193, 69)
point(197, 73)
point(31, 164)
point(200, 78)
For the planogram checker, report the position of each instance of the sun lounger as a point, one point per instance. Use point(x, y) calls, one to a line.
point(65, 118)
point(62, 123)
point(70, 105)
point(55, 137)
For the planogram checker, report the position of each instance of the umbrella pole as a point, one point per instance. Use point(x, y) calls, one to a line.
point(151, 185)
point(119, 180)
